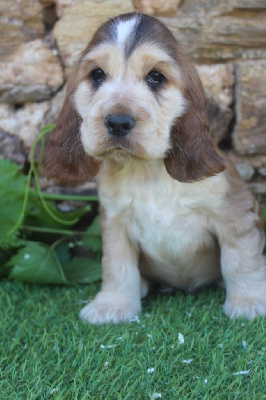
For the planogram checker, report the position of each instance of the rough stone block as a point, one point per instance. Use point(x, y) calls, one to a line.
point(20, 21)
point(32, 73)
point(26, 122)
point(216, 31)
point(157, 7)
point(249, 136)
point(79, 22)
point(11, 147)
point(218, 82)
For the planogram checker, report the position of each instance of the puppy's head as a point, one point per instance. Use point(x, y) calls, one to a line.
point(133, 95)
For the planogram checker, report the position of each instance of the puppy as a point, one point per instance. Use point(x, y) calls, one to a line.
point(173, 208)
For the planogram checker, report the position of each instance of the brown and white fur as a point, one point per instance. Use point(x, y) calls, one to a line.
point(173, 208)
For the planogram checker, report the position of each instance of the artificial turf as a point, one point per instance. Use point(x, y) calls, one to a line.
point(46, 352)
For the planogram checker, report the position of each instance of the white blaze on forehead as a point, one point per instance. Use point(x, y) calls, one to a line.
point(123, 29)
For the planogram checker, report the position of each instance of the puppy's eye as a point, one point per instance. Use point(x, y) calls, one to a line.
point(98, 76)
point(155, 78)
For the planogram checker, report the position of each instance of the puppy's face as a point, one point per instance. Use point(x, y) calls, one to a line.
point(133, 95)
point(129, 91)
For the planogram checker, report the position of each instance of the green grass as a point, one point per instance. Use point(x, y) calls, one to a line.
point(47, 353)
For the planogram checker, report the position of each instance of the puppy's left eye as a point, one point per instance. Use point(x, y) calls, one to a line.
point(154, 78)
point(98, 76)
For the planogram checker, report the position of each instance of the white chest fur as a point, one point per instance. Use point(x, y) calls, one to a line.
point(167, 219)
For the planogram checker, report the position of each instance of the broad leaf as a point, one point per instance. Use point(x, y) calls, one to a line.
point(78, 269)
point(62, 250)
point(12, 189)
point(92, 238)
point(37, 263)
point(83, 270)
point(37, 215)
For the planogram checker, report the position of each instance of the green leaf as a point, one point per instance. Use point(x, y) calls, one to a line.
point(263, 207)
point(94, 227)
point(12, 189)
point(37, 263)
point(82, 270)
point(7, 249)
point(4, 257)
point(93, 243)
point(37, 215)
point(92, 238)
point(62, 251)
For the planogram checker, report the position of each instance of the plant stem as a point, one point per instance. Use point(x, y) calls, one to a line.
point(69, 197)
point(24, 205)
point(58, 231)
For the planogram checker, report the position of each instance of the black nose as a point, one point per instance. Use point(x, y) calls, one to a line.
point(119, 125)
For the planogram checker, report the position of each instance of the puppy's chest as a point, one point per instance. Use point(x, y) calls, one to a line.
point(161, 227)
point(157, 221)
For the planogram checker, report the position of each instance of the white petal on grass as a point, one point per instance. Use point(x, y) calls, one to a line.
point(107, 347)
point(244, 343)
point(181, 339)
point(135, 319)
point(150, 370)
point(242, 372)
point(149, 335)
point(189, 361)
point(157, 396)
point(52, 391)
point(26, 256)
point(205, 381)
point(106, 364)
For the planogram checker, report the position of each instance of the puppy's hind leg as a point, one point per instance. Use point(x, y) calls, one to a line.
point(145, 286)
point(244, 272)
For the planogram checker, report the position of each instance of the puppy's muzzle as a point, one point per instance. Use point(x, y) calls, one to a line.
point(119, 125)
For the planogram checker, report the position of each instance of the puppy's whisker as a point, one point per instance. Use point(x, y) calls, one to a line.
point(67, 146)
point(180, 148)
point(71, 123)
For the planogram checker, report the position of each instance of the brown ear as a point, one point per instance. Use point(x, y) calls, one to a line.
point(64, 157)
point(193, 156)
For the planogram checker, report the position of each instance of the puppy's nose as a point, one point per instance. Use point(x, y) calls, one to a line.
point(119, 125)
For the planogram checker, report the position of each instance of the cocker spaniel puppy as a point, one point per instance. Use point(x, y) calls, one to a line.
point(173, 208)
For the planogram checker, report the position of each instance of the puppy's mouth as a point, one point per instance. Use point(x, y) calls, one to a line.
point(117, 152)
point(120, 151)
point(120, 147)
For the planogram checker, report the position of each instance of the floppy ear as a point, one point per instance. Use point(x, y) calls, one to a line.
point(64, 157)
point(193, 156)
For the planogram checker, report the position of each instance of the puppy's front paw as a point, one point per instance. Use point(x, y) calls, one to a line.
point(245, 307)
point(108, 307)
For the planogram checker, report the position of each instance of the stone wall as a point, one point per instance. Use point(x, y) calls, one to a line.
point(40, 40)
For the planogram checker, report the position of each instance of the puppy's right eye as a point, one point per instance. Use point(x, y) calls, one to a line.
point(98, 76)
